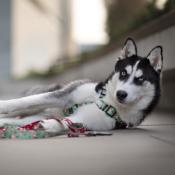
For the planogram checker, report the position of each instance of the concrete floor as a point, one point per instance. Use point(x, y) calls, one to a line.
point(148, 149)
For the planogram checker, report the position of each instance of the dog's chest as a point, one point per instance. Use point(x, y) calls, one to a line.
point(131, 116)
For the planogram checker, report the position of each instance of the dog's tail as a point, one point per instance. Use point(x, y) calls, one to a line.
point(42, 89)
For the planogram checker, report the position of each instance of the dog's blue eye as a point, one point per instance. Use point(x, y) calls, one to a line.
point(123, 73)
point(139, 80)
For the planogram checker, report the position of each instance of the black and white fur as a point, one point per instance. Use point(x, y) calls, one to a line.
point(133, 88)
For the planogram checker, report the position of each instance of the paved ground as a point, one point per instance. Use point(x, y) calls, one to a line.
point(148, 149)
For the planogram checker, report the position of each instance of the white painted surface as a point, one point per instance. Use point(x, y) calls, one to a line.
point(89, 20)
point(35, 37)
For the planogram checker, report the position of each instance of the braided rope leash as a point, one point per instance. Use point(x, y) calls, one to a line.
point(34, 131)
point(78, 129)
point(28, 131)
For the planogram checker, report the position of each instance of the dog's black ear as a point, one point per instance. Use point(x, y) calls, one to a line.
point(129, 49)
point(156, 58)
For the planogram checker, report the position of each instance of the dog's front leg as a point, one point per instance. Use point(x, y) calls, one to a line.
point(33, 103)
point(59, 98)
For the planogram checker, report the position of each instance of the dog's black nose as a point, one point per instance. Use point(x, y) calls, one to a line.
point(121, 95)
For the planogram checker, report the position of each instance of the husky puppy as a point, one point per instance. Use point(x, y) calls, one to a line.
point(128, 95)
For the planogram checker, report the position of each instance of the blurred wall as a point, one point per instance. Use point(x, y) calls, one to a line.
point(33, 35)
point(39, 34)
point(5, 38)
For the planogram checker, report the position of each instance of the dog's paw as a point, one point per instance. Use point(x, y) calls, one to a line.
point(51, 126)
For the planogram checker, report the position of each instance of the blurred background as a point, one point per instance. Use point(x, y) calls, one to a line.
point(43, 41)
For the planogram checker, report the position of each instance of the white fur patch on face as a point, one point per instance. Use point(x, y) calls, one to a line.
point(138, 73)
point(128, 70)
point(134, 92)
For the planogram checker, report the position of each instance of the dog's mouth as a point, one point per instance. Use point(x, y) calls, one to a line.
point(122, 102)
point(125, 102)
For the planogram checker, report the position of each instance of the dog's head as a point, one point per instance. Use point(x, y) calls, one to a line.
point(137, 79)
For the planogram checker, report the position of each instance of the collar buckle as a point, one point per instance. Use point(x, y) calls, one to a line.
point(108, 109)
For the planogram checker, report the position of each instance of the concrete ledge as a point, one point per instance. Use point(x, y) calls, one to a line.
point(155, 26)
